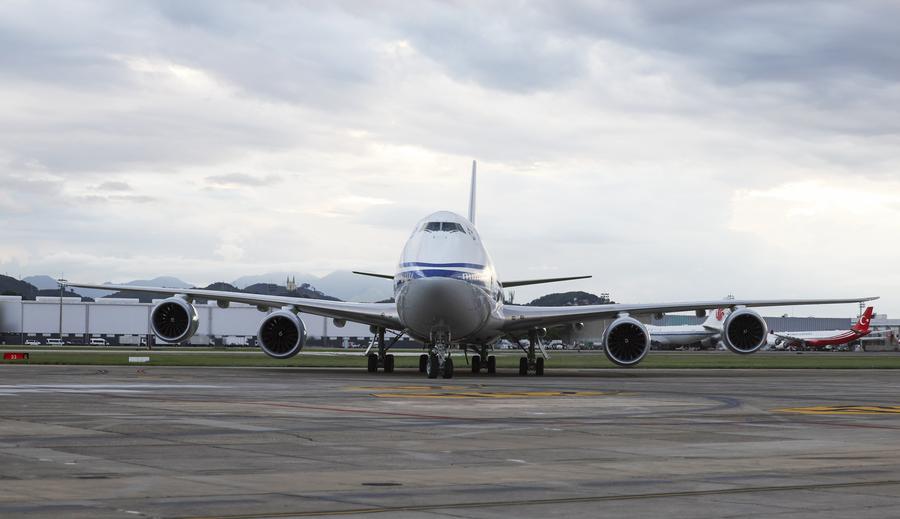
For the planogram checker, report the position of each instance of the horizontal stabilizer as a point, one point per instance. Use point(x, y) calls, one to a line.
point(371, 274)
point(521, 283)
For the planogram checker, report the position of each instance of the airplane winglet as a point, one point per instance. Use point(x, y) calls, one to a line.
point(372, 274)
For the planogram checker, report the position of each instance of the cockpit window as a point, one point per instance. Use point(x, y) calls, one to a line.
point(443, 226)
point(451, 227)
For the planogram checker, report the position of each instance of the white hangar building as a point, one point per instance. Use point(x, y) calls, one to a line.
point(126, 320)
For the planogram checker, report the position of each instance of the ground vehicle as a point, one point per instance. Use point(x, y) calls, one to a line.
point(56, 342)
point(32, 342)
point(98, 341)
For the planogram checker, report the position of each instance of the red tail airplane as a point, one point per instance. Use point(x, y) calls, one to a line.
point(820, 339)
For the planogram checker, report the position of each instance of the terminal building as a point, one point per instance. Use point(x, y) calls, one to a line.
point(127, 322)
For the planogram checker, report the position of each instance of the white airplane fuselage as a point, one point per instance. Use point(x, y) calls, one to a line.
point(446, 281)
point(680, 335)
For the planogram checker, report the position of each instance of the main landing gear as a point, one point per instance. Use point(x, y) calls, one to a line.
point(483, 361)
point(381, 358)
point(531, 364)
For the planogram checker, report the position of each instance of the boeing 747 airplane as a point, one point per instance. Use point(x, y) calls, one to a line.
point(824, 338)
point(448, 295)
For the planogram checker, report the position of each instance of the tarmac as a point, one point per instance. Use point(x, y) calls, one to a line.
point(259, 442)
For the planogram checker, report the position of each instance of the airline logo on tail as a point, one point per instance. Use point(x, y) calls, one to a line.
point(862, 326)
point(714, 321)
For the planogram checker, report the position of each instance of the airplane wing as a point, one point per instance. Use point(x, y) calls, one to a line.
point(519, 318)
point(378, 314)
point(525, 282)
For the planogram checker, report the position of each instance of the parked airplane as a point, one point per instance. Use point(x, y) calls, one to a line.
point(821, 339)
point(708, 334)
point(448, 295)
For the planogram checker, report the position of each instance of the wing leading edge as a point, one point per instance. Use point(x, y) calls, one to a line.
point(525, 317)
point(378, 314)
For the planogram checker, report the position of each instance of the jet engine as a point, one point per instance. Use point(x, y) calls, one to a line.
point(174, 320)
point(282, 334)
point(626, 341)
point(744, 331)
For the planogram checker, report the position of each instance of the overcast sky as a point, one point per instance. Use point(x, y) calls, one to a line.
point(674, 150)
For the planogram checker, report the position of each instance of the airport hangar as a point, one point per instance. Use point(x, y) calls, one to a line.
point(126, 321)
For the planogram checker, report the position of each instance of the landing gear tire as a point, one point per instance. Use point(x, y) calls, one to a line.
point(431, 366)
point(523, 366)
point(539, 367)
point(492, 365)
point(373, 363)
point(448, 368)
point(476, 364)
point(423, 363)
point(388, 363)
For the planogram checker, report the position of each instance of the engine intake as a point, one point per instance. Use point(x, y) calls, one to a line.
point(174, 320)
point(282, 334)
point(744, 331)
point(626, 341)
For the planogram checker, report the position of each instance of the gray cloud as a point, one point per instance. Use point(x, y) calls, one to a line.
point(113, 185)
point(610, 135)
point(242, 179)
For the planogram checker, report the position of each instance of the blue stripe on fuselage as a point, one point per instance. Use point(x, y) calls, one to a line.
point(475, 278)
point(443, 265)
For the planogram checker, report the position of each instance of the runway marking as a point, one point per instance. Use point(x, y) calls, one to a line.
point(553, 501)
point(408, 388)
point(17, 389)
point(464, 393)
point(843, 409)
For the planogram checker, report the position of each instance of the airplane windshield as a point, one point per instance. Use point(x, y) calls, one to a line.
point(451, 227)
point(443, 226)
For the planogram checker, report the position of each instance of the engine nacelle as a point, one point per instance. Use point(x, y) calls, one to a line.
point(626, 341)
point(282, 334)
point(744, 331)
point(174, 320)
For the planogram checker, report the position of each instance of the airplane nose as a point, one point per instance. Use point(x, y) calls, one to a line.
point(427, 303)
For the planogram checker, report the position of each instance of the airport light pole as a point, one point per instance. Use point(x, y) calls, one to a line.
point(62, 283)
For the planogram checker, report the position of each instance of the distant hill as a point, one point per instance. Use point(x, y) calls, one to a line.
point(272, 289)
point(161, 281)
point(341, 284)
point(42, 282)
point(577, 298)
point(10, 286)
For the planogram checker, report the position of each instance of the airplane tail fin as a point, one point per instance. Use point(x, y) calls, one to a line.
point(862, 325)
point(716, 319)
point(472, 195)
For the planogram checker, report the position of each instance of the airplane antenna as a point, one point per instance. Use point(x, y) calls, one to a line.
point(472, 195)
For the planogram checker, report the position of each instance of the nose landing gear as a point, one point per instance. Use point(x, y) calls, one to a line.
point(438, 360)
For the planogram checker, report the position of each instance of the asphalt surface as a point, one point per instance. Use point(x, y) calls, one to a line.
point(218, 442)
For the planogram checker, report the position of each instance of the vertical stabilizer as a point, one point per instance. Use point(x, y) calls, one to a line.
point(862, 325)
point(472, 195)
point(716, 319)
